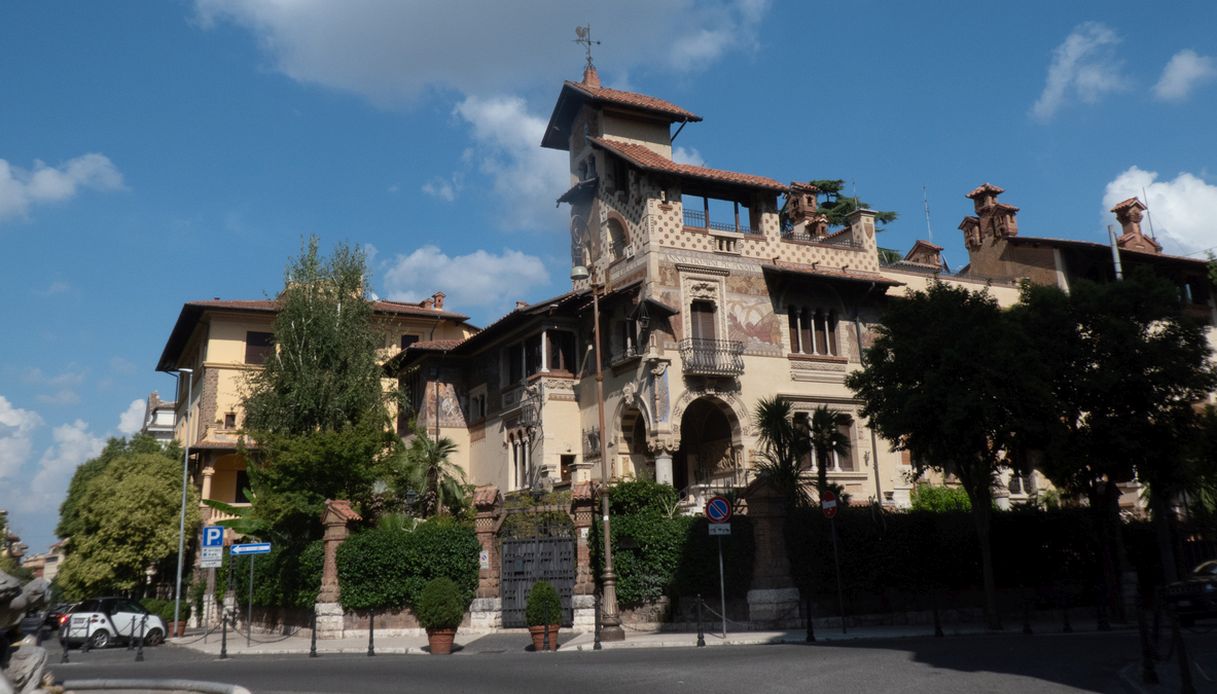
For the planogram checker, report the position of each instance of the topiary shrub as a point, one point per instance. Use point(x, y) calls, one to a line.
point(441, 605)
point(544, 606)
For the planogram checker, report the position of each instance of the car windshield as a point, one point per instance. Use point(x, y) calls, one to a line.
point(1208, 568)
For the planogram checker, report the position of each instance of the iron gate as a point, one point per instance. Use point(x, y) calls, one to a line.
point(531, 559)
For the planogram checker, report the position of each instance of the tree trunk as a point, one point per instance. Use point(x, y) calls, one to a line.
point(982, 513)
point(1101, 505)
point(1119, 557)
point(822, 472)
point(1160, 508)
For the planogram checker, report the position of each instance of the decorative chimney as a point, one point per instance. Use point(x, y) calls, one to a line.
point(995, 219)
point(1129, 214)
point(925, 253)
point(801, 209)
point(437, 299)
point(591, 78)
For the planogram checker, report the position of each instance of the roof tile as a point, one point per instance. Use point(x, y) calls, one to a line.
point(633, 99)
point(645, 158)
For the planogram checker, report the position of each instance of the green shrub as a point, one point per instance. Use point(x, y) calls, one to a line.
point(544, 606)
point(163, 609)
point(289, 576)
point(940, 499)
point(441, 605)
point(388, 568)
point(641, 496)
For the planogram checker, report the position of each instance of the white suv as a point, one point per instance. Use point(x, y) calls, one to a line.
point(103, 621)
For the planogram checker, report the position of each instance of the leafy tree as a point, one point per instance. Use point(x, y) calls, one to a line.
point(69, 511)
point(827, 439)
point(1127, 368)
point(427, 467)
point(838, 207)
point(940, 382)
point(243, 521)
point(783, 446)
point(316, 410)
point(127, 521)
point(939, 498)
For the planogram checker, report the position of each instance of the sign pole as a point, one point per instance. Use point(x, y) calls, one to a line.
point(249, 608)
point(836, 559)
point(722, 586)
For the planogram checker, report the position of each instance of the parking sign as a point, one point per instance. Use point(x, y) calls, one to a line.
point(213, 536)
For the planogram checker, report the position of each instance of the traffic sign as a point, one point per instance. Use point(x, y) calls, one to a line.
point(720, 529)
point(211, 557)
point(213, 536)
point(828, 504)
point(251, 548)
point(718, 509)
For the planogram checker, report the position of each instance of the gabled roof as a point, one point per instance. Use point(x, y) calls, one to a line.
point(985, 188)
point(575, 94)
point(644, 158)
point(192, 312)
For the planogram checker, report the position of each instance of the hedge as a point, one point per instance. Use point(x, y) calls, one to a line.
point(387, 569)
point(287, 577)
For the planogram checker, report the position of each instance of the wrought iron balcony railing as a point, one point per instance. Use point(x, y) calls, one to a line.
point(703, 357)
point(697, 219)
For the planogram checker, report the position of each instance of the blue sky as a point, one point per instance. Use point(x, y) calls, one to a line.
point(154, 153)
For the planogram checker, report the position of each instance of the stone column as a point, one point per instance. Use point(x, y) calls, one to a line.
point(335, 518)
point(486, 611)
point(582, 510)
point(208, 473)
point(663, 468)
point(773, 600)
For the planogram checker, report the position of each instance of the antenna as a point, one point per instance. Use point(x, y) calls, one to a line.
point(584, 38)
point(925, 200)
point(1149, 215)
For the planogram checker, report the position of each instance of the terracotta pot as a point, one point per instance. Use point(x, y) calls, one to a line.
point(538, 638)
point(553, 637)
point(440, 640)
point(179, 629)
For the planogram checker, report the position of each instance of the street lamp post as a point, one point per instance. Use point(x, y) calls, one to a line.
point(610, 617)
point(181, 526)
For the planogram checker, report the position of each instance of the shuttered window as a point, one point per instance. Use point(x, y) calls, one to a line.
point(702, 313)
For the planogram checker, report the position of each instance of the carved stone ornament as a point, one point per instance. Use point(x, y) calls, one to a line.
point(703, 290)
point(629, 394)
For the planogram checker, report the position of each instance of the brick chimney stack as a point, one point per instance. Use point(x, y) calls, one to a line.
point(591, 78)
point(800, 209)
point(1128, 214)
point(437, 299)
point(993, 219)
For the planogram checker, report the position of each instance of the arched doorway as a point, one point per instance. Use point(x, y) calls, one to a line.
point(634, 444)
point(709, 453)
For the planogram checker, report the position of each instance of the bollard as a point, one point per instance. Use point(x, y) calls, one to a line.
point(371, 633)
point(312, 642)
point(811, 622)
point(63, 641)
point(131, 632)
point(224, 635)
point(937, 616)
point(596, 643)
point(1149, 674)
point(143, 629)
point(84, 648)
point(701, 632)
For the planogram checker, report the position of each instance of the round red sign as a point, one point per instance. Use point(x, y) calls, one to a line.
point(828, 504)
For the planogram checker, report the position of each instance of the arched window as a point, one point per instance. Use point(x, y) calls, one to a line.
point(619, 238)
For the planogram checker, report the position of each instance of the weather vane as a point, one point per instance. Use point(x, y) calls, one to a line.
point(585, 39)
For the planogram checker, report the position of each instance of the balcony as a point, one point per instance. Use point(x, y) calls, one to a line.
point(697, 219)
point(703, 357)
point(836, 240)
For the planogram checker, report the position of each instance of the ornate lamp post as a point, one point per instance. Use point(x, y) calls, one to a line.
point(610, 617)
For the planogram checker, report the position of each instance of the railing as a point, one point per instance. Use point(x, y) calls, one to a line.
point(802, 235)
point(697, 220)
point(703, 357)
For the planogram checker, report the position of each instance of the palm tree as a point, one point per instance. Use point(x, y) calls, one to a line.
point(826, 439)
point(783, 446)
point(429, 468)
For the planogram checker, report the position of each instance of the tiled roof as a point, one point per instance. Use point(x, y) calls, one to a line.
point(1131, 202)
point(342, 509)
point(436, 345)
point(644, 158)
point(1105, 248)
point(985, 188)
point(830, 272)
point(486, 495)
point(634, 100)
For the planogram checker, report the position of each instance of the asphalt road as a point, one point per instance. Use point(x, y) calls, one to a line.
point(992, 663)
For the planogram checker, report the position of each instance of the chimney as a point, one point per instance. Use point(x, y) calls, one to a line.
point(438, 300)
point(591, 78)
point(995, 218)
point(801, 209)
point(1129, 214)
point(426, 303)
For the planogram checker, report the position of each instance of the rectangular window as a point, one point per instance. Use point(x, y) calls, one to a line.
point(242, 486)
point(230, 420)
point(568, 466)
point(702, 315)
point(792, 316)
point(561, 351)
point(258, 347)
point(532, 352)
point(407, 340)
point(515, 363)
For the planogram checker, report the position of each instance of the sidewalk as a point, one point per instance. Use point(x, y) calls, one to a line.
point(510, 640)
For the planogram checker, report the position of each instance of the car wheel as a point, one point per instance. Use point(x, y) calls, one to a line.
point(154, 637)
point(99, 639)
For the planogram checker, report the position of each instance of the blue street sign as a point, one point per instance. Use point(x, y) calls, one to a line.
point(251, 548)
point(213, 536)
point(718, 509)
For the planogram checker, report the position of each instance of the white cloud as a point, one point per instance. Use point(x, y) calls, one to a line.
point(392, 51)
point(1186, 70)
point(1084, 67)
point(20, 189)
point(525, 178)
point(445, 189)
point(691, 156)
point(132, 418)
point(72, 444)
point(478, 279)
point(1182, 209)
point(16, 438)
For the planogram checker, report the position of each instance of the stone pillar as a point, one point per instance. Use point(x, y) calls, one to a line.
point(336, 517)
point(486, 611)
point(582, 510)
point(208, 473)
point(663, 468)
point(773, 600)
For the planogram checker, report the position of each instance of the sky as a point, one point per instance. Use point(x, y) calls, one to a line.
point(153, 153)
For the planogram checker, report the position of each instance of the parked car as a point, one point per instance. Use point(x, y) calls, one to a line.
point(103, 621)
point(1195, 597)
point(54, 615)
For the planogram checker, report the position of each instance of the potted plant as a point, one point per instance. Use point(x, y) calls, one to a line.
point(440, 609)
point(543, 612)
